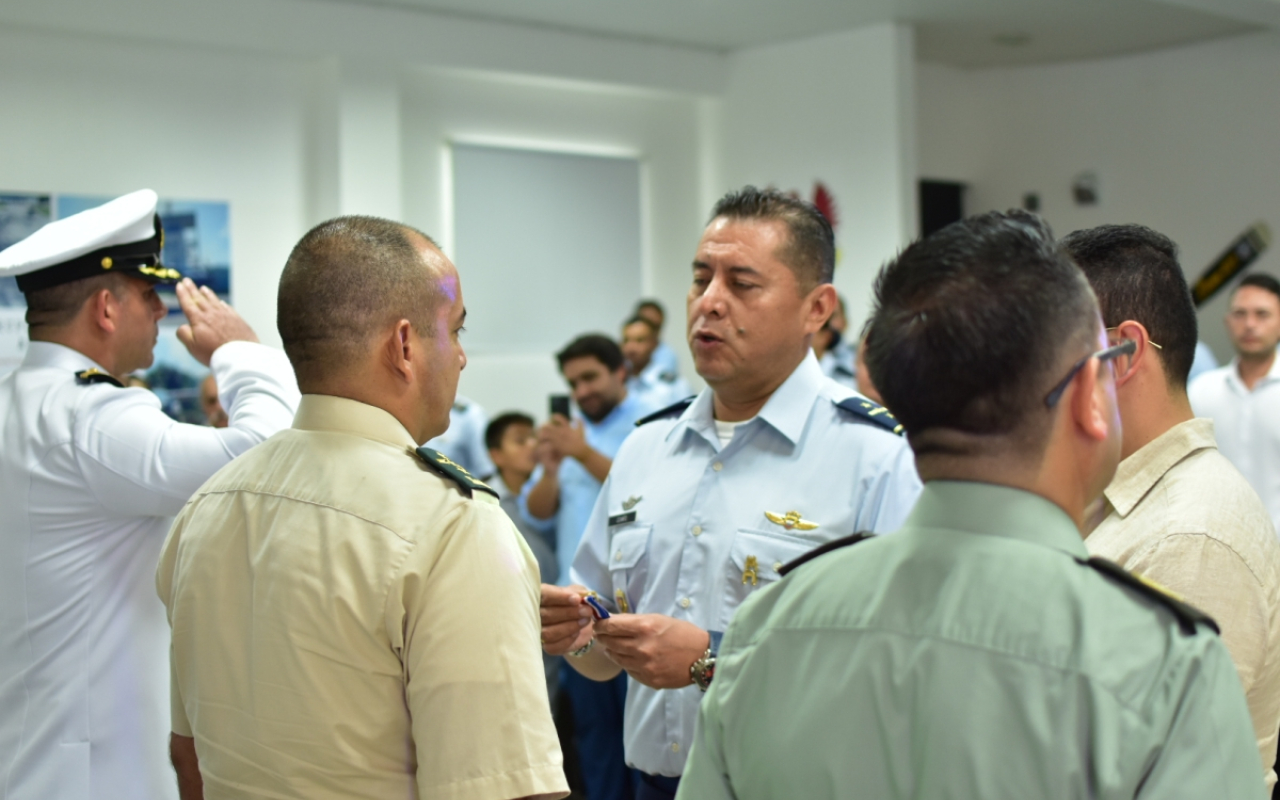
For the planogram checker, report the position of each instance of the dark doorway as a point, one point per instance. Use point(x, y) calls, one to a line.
point(941, 203)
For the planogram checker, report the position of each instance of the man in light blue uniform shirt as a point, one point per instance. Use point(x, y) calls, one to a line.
point(708, 499)
point(647, 378)
point(576, 457)
point(664, 358)
point(463, 442)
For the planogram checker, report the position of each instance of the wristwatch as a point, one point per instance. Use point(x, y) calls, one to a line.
point(703, 670)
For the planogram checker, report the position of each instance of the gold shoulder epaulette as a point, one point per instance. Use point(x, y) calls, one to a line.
point(443, 465)
point(1188, 616)
point(95, 375)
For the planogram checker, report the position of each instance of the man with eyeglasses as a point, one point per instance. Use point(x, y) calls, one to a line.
point(1177, 511)
point(979, 652)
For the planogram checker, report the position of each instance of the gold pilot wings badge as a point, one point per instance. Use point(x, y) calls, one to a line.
point(791, 521)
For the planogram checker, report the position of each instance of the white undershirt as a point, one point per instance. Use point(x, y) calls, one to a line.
point(724, 430)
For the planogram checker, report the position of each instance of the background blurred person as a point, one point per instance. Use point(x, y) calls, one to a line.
point(91, 474)
point(1177, 512)
point(980, 649)
point(463, 441)
point(513, 442)
point(1243, 398)
point(644, 378)
point(663, 356)
point(214, 413)
point(322, 590)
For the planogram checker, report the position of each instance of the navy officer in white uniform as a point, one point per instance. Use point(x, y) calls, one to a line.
point(90, 474)
point(708, 499)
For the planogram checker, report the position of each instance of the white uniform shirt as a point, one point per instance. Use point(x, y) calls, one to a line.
point(1247, 426)
point(90, 476)
point(689, 528)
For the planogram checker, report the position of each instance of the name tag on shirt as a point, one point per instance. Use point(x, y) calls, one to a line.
point(622, 519)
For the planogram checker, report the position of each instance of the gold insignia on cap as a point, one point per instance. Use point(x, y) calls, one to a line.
point(791, 521)
point(107, 262)
point(161, 273)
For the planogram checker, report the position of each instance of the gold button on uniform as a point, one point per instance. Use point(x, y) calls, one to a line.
point(617, 556)
point(777, 565)
point(685, 602)
point(697, 530)
point(675, 747)
point(717, 466)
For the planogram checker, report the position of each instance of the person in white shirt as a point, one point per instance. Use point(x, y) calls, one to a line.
point(1243, 398)
point(90, 475)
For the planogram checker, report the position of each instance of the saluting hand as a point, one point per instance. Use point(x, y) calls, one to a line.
point(655, 649)
point(211, 323)
point(566, 620)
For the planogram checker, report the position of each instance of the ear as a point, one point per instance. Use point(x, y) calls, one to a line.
point(398, 350)
point(1127, 366)
point(1088, 403)
point(104, 310)
point(819, 306)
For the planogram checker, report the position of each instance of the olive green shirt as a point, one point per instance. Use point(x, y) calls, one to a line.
point(972, 654)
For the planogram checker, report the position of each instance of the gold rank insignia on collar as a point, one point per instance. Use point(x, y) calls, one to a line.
point(95, 375)
point(631, 502)
point(790, 520)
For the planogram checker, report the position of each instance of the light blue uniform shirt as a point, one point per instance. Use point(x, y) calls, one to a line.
point(463, 441)
point(664, 360)
point(658, 387)
point(578, 488)
point(693, 530)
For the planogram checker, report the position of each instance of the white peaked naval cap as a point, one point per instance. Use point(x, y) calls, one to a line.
point(122, 236)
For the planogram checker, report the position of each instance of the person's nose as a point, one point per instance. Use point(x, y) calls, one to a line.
point(713, 301)
point(158, 308)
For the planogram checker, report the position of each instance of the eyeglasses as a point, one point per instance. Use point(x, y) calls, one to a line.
point(1125, 348)
point(1153, 344)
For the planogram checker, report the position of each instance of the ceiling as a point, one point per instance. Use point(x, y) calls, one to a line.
point(967, 33)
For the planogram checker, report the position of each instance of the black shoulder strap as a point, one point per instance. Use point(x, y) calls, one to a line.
point(1188, 615)
point(443, 465)
point(673, 410)
point(863, 410)
point(834, 544)
point(95, 375)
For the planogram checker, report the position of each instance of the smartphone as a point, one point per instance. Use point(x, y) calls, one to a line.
point(560, 405)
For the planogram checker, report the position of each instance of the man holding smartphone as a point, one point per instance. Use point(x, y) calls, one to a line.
point(574, 459)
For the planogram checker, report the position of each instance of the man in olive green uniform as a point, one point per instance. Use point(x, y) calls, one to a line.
point(978, 652)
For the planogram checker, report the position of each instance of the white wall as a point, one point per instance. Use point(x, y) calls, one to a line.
point(840, 109)
point(1184, 140)
point(82, 115)
point(298, 110)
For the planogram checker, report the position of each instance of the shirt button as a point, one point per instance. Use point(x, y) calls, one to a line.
point(697, 530)
point(685, 602)
point(675, 747)
point(777, 566)
point(717, 466)
point(617, 556)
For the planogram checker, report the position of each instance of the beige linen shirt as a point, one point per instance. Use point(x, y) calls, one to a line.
point(348, 623)
point(1180, 514)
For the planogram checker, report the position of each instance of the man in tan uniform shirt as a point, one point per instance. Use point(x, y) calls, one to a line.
point(354, 616)
point(1177, 512)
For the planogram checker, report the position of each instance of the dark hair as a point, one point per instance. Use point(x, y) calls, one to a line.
point(1262, 281)
point(637, 320)
point(651, 303)
point(345, 279)
point(498, 427)
point(811, 251)
point(595, 345)
point(1135, 275)
point(56, 306)
point(970, 324)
